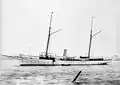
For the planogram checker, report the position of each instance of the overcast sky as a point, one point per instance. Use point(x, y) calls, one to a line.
point(25, 26)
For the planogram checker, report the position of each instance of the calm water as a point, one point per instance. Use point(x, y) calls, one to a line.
point(61, 75)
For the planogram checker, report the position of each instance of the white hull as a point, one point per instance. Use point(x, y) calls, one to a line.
point(81, 62)
point(43, 62)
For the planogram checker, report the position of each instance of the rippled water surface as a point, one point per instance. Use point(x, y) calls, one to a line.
point(62, 75)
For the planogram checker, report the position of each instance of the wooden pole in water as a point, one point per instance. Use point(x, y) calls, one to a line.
point(76, 76)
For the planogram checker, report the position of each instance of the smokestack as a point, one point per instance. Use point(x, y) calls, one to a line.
point(65, 52)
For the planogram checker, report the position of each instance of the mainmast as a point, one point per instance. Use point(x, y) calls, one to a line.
point(91, 36)
point(46, 54)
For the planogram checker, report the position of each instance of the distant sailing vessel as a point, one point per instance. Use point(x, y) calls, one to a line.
point(48, 59)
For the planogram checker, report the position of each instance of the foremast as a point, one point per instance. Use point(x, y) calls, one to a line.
point(49, 34)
